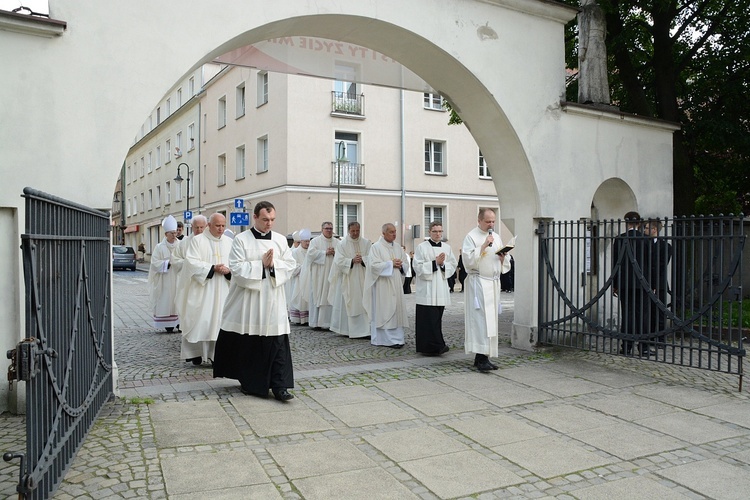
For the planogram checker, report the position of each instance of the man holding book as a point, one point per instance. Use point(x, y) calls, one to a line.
point(484, 267)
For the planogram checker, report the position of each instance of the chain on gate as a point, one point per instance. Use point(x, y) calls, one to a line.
point(66, 359)
point(666, 290)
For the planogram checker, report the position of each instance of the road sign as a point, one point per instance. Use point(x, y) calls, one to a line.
point(239, 219)
point(239, 203)
point(187, 215)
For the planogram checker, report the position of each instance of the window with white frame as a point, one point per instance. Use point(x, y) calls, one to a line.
point(345, 213)
point(143, 202)
point(143, 166)
point(169, 106)
point(158, 156)
point(240, 99)
point(262, 88)
point(484, 170)
point(178, 145)
point(433, 101)
point(222, 110)
point(434, 214)
point(221, 170)
point(346, 80)
point(262, 154)
point(191, 86)
point(434, 157)
point(179, 97)
point(158, 115)
point(167, 193)
point(191, 184)
point(150, 199)
point(168, 151)
point(150, 123)
point(191, 136)
point(157, 199)
point(128, 175)
point(150, 164)
point(240, 163)
point(178, 191)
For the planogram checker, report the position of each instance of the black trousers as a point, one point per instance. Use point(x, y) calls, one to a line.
point(259, 363)
point(428, 329)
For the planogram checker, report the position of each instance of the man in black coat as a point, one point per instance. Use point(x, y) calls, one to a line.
point(661, 255)
point(631, 275)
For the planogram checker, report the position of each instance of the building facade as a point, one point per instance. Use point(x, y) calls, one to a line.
point(318, 149)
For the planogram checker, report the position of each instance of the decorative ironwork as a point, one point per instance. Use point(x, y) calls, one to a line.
point(673, 295)
point(67, 356)
point(347, 103)
point(352, 174)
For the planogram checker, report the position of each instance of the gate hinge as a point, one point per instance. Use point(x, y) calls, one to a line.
point(25, 481)
point(23, 365)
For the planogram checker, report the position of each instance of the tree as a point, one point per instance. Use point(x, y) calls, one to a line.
point(686, 61)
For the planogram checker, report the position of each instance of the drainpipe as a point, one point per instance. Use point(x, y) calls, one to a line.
point(403, 173)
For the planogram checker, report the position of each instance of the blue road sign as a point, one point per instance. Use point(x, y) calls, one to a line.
point(239, 219)
point(239, 203)
point(188, 215)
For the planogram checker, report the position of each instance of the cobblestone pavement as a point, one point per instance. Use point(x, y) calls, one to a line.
point(372, 422)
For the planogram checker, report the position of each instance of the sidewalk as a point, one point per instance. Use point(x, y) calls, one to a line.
point(370, 422)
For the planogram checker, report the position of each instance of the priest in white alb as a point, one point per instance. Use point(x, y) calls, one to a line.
point(320, 261)
point(383, 297)
point(482, 298)
point(348, 314)
point(297, 296)
point(434, 262)
point(253, 344)
point(199, 224)
point(162, 279)
point(207, 276)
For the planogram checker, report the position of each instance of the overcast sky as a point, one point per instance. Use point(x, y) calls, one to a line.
point(41, 6)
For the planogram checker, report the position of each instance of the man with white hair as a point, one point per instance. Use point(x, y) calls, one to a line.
point(178, 256)
point(207, 276)
point(383, 296)
point(297, 294)
point(320, 261)
point(348, 283)
point(162, 279)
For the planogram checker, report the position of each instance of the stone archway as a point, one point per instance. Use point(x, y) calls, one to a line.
point(74, 92)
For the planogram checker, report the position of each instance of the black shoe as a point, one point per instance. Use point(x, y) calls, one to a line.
point(484, 366)
point(395, 346)
point(196, 361)
point(492, 365)
point(282, 394)
point(443, 350)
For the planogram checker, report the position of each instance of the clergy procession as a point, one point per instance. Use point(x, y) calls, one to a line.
point(233, 298)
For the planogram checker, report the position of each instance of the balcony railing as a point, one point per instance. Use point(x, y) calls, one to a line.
point(344, 103)
point(352, 174)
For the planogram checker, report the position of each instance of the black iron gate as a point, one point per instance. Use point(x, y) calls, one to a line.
point(667, 290)
point(66, 359)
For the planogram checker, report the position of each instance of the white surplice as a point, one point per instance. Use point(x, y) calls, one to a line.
point(432, 285)
point(256, 305)
point(297, 303)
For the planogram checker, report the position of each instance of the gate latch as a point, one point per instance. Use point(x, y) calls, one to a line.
point(23, 358)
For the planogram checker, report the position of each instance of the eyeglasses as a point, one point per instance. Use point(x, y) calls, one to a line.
point(327, 229)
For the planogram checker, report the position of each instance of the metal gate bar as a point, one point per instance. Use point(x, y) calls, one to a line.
point(684, 285)
point(66, 259)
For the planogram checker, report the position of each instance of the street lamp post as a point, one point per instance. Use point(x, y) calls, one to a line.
point(341, 158)
point(178, 180)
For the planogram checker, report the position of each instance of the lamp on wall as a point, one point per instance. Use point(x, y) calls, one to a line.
point(341, 158)
point(178, 179)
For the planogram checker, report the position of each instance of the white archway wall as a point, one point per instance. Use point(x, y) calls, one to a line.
point(613, 199)
point(72, 104)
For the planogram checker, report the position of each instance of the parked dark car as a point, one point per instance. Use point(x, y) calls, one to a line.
point(123, 257)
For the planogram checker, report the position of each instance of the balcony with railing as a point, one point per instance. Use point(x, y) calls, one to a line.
point(352, 174)
point(346, 104)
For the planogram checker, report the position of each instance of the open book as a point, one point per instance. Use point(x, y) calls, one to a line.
point(508, 246)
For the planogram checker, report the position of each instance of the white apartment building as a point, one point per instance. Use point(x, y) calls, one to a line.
point(305, 144)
